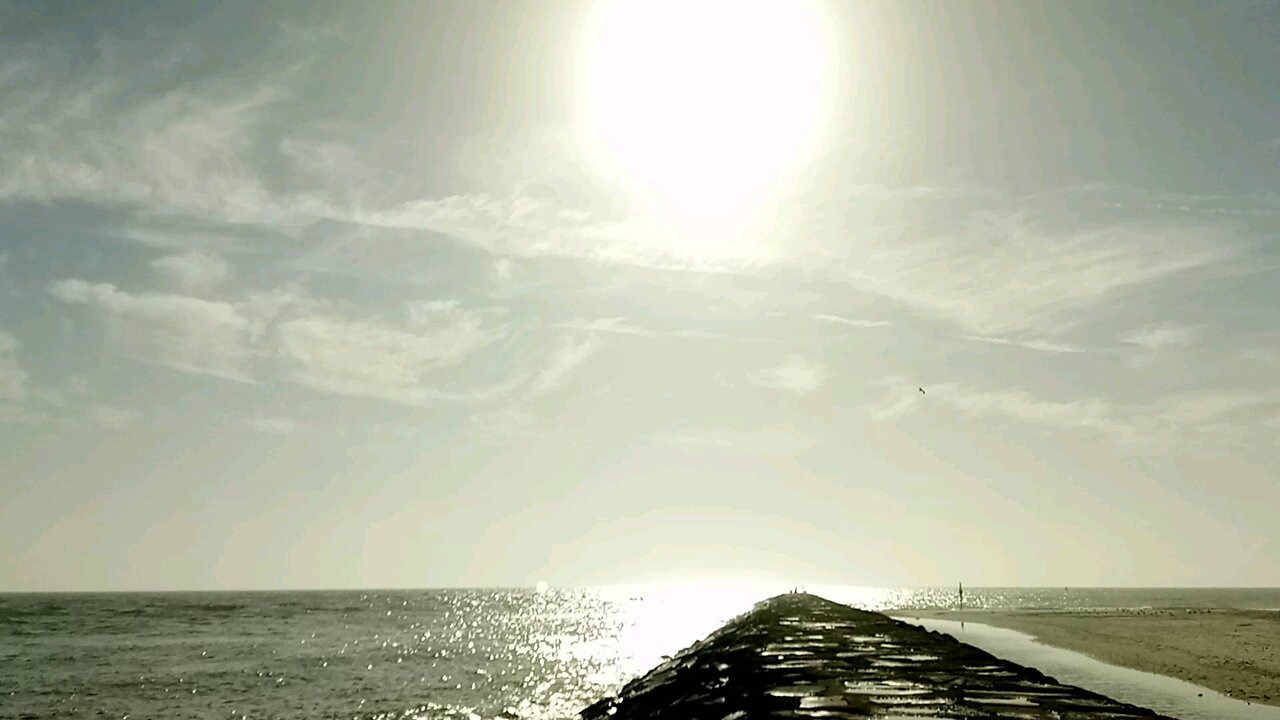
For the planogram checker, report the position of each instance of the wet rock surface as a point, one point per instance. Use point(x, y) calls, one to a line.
point(801, 656)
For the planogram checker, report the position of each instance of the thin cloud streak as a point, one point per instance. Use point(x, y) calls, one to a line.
point(113, 418)
point(851, 322)
point(1166, 422)
point(13, 377)
point(1040, 345)
point(181, 332)
point(286, 336)
point(272, 425)
point(372, 359)
point(794, 374)
point(534, 227)
point(778, 439)
point(1155, 338)
point(191, 153)
point(623, 326)
point(563, 360)
point(1017, 278)
point(193, 272)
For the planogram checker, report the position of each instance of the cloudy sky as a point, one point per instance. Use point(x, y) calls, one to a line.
point(350, 295)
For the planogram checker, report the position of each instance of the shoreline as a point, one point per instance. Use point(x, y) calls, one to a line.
point(1235, 652)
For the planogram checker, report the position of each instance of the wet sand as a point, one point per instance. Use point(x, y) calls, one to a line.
point(1236, 652)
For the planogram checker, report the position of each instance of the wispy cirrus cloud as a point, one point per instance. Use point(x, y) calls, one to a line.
point(378, 360)
point(283, 336)
point(1002, 265)
point(560, 362)
point(534, 227)
point(1219, 204)
point(195, 151)
point(624, 326)
point(13, 377)
point(1161, 337)
point(112, 417)
point(195, 272)
point(178, 331)
point(184, 151)
point(776, 439)
point(15, 386)
point(556, 367)
point(794, 374)
point(1038, 344)
point(850, 322)
point(1167, 420)
point(109, 137)
point(272, 425)
point(7, 285)
point(1005, 274)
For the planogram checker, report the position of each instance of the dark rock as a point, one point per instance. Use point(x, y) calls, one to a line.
point(800, 656)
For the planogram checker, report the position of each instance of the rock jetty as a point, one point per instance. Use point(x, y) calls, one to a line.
point(801, 656)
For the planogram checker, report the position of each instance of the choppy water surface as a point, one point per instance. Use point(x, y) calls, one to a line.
point(449, 653)
point(401, 654)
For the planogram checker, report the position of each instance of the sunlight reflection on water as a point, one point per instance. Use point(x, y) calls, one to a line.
point(409, 653)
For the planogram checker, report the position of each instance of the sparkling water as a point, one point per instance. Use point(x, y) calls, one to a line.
point(405, 653)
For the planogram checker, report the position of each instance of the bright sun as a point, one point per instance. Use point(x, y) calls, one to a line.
point(704, 104)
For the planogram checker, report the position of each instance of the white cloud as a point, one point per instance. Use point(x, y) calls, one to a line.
point(14, 385)
point(1160, 337)
point(1038, 344)
point(13, 377)
point(194, 272)
point(505, 422)
point(532, 227)
point(282, 334)
point(767, 440)
point(1087, 413)
point(1016, 276)
point(852, 322)
point(272, 425)
point(623, 326)
point(503, 269)
point(998, 267)
point(378, 360)
point(7, 286)
point(1174, 419)
point(900, 399)
point(18, 415)
point(793, 374)
point(1050, 346)
point(96, 138)
point(196, 151)
point(516, 418)
point(113, 418)
point(562, 361)
point(425, 311)
point(177, 331)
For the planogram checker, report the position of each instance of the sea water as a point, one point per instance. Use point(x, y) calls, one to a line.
point(405, 653)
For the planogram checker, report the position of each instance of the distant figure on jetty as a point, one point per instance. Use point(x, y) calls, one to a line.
point(961, 596)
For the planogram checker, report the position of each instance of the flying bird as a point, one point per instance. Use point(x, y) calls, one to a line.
point(921, 390)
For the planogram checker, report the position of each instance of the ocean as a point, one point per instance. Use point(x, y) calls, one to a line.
point(412, 654)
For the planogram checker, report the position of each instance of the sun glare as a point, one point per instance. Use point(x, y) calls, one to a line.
point(703, 105)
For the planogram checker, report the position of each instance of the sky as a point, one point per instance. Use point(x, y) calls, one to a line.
point(325, 295)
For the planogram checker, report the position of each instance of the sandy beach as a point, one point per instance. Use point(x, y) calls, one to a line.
point(1236, 652)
